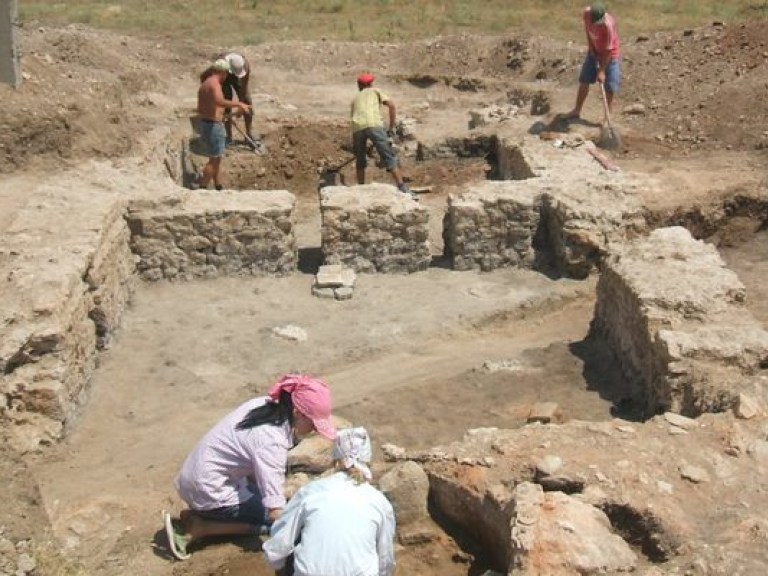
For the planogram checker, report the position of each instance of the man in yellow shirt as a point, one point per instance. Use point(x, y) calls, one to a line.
point(368, 124)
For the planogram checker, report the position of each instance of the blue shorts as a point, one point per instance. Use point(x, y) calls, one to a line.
point(380, 140)
point(612, 73)
point(214, 138)
point(249, 512)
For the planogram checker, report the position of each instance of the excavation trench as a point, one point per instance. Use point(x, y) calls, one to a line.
point(404, 353)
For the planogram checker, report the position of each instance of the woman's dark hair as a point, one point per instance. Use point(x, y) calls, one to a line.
point(274, 413)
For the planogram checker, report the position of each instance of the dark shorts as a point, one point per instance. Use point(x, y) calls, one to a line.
point(380, 141)
point(214, 138)
point(612, 73)
point(249, 512)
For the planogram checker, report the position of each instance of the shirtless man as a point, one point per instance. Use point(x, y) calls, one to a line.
point(210, 108)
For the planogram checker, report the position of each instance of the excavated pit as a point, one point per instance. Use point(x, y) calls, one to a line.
point(467, 323)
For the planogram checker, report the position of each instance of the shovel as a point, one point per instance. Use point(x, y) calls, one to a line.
point(256, 145)
point(332, 176)
point(609, 137)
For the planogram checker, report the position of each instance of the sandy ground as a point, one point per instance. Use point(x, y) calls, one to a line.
point(403, 357)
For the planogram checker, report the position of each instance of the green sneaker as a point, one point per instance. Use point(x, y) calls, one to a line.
point(177, 542)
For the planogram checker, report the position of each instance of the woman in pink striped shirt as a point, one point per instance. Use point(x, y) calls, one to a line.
point(233, 479)
point(602, 63)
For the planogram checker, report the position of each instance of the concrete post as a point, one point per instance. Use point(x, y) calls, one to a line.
point(10, 51)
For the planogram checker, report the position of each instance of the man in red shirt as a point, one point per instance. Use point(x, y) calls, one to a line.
point(603, 56)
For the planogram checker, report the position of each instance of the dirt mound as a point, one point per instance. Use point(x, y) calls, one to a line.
point(296, 154)
point(80, 97)
point(700, 88)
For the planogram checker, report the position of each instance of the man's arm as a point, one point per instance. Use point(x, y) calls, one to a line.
point(243, 89)
point(590, 46)
point(218, 96)
point(605, 57)
point(602, 66)
point(392, 113)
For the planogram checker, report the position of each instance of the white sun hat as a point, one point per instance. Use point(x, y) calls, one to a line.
point(237, 63)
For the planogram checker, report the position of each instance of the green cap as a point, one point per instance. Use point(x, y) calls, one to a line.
point(597, 12)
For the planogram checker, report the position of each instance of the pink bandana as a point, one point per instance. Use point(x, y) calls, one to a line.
point(311, 397)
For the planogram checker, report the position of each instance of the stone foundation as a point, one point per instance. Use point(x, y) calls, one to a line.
point(373, 228)
point(675, 317)
point(511, 160)
point(580, 222)
point(536, 217)
point(492, 225)
point(209, 234)
point(69, 274)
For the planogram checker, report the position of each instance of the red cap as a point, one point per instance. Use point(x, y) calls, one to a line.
point(365, 78)
point(311, 397)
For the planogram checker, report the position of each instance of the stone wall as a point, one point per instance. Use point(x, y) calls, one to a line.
point(511, 161)
point(581, 220)
point(374, 228)
point(69, 273)
point(536, 224)
point(492, 225)
point(675, 317)
point(208, 234)
point(111, 277)
point(68, 276)
point(553, 209)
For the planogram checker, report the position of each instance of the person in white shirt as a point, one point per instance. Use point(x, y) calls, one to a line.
point(339, 524)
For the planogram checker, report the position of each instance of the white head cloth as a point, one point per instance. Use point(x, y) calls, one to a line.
point(353, 448)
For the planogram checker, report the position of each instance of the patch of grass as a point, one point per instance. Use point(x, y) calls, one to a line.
point(757, 7)
point(243, 21)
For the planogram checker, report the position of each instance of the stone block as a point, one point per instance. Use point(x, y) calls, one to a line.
point(335, 276)
point(746, 407)
point(492, 225)
point(556, 534)
point(373, 228)
point(343, 293)
point(207, 234)
point(407, 487)
point(325, 293)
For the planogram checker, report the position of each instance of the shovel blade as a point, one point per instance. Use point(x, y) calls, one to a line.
point(256, 145)
point(609, 139)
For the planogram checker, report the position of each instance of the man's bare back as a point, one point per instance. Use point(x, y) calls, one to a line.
point(209, 99)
